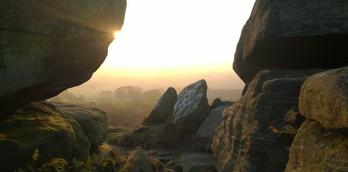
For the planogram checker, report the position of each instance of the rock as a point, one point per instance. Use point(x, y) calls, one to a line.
point(41, 128)
point(317, 149)
point(139, 161)
point(115, 135)
point(218, 102)
point(92, 120)
point(204, 135)
point(254, 134)
point(203, 168)
point(144, 136)
point(324, 98)
point(163, 109)
point(293, 35)
point(49, 46)
point(245, 71)
point(190, 109)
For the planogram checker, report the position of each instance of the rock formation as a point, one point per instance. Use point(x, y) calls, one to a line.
point(293, 34)
point(190, 109)
point(163, 109)
point(49, 46)
point(321, 142)
point(92, 120)
point(257, 131)
point(40, 127)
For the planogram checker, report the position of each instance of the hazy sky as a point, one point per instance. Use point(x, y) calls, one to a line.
point(174, 42)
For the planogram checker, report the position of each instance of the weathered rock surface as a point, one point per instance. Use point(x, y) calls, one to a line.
point(163, 109)
point(49, 46)
point(204, 135)
point(190, 109)
point(324, 98)
point(293, 34)
point(92, 120)
point(41, 127)
point(317, 149)
point(257, 131)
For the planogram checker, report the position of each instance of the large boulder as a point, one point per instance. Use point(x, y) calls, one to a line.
point(40, 129)
point(324, 98)
point(293, 34)
point(317, 149)
point(257, 131)
point(163, 109)
point(49, 46)
point(190, 109)
point(92, 120)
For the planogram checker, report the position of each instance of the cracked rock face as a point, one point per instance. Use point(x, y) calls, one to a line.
point(257, 131)
point(49, 46)
point(293, 34)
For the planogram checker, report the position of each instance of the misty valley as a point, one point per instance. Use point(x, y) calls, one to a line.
point(152, 86)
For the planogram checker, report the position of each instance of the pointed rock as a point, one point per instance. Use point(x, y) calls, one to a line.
point(163, 109)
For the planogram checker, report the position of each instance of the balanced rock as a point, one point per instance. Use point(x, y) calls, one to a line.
point(324, 98)
point(293, 34)
point(49, 46)
point(163, 109)
point(257, 131)
point(190, 109)
point(40, 129)
point(317, 149)
point(92, 120)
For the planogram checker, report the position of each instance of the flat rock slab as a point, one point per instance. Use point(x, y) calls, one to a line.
point(293, 34)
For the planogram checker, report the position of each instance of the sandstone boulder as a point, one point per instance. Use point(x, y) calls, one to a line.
point(163, 109)
point(40, 128)
point(92, 120)
point(190, 109)
point(317, 149)
point(49, 46)
point(293, 34)
point(324, 98)
point(257, 131)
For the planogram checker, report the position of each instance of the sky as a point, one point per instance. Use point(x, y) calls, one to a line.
point(175, 42)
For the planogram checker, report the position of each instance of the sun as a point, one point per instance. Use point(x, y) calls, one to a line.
point(116, 33)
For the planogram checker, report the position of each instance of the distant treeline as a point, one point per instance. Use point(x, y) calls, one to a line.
point(127, 106)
